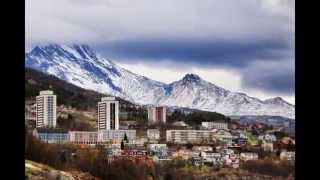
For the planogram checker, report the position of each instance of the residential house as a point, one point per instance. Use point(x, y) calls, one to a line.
point(212, 157)
point(159, 150)
point(246, 156)
point(224, 136)
point(157, 147)
point(202, 148)
point(189, 136)
point(140, 141)
point(239, 141)
point(153, 134)
point(267, 146)
point(267, 137)
point(182, 154)
point(232, 160)
point(288, 155)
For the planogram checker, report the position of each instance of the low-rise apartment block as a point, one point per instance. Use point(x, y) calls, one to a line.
point(83, 137)
point(224, 136)
point(214, 125)
point(189, 136)
point(202, 148)
point(116, 135)
point(51, 135)
point(153, 134)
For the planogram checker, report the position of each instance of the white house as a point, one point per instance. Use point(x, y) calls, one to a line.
point(224, 136)
point(211, 157)
point(153, 134)
point(246, 156)
point(267, 137)
point(157, 147)
point(202, 148)
point(288, 155)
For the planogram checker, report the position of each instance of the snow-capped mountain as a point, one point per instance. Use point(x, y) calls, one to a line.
point(82, 66)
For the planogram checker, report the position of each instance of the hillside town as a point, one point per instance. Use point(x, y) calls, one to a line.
point(214, 144)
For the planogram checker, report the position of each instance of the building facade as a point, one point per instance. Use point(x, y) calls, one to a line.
point(153, 134)
point(224, 136)
point(157, 115)
point(246, 156)
point(46, 109)
point(267, 137)
point(108, 114)
point(83, 137)
point(288, 155)
point(214, 125)
point(157, 147)
point(202, 148)
point(51, 135)
point(189, 136)
point(116, 135)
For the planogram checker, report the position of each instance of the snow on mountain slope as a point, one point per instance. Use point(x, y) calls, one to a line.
point(82, 66)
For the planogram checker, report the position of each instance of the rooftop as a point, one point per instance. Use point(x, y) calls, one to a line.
point(46, 92)
point(51, 130)
point(110, 98)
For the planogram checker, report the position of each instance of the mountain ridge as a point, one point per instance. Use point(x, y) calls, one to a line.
point(84, 67)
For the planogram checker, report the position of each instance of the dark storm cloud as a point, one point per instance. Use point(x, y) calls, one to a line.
point(201, 53)
point(263, 64)
point(275, 77)
point(254, 38)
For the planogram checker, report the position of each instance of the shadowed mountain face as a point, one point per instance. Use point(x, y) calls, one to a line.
point(82, 66)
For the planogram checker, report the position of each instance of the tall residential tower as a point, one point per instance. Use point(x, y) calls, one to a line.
point(46, 109)
point(108, 113)
point(157, 115)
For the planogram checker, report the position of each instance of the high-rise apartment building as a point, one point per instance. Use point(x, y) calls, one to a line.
point(157, 115)
point(108, 114)
point(46, 109)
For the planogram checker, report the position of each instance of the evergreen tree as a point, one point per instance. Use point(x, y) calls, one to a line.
point(125, 138)
point(122, 145)
point(291, 146)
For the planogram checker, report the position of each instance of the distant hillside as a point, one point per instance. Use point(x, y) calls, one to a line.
point(68, 94)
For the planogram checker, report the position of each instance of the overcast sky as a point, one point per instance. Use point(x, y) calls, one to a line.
point(241, 45)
